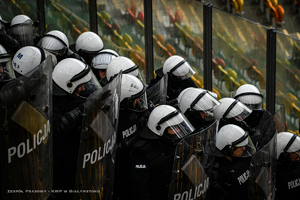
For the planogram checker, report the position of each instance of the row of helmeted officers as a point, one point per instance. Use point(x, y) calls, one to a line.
point(147, 134)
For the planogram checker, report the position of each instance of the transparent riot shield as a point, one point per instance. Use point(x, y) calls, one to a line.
point(193, 165)
point(157, 94)
point(265, 129)
point(95, 168)
point(263, 162)
point(26, 136)
point(23, 33)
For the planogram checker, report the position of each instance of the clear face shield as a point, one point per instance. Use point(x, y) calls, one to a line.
point(182, 71)
point(238, 111)
point(23, 33)
point(293, 148)
point(101, 60)
point(177, 126)
point(251, 100)
point(204, 103)
point(87, 55)
point(53, 44)
point(138, 103)
point(242, 147)
point(90, 87)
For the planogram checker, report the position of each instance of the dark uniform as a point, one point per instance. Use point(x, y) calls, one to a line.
point(287, 180)
point(127, 132)
point(152, 164)
point(231, 178)
point(66, 132)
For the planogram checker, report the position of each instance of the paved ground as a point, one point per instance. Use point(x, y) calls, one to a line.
point(254, 13)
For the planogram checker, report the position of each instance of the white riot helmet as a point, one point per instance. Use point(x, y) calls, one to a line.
point(29, 57)
point(287, 143)
point(133, 93)
point(231, 108)
point(166, 118)
point(178, 67)
point(196, 99)
point(55, 42)
point(22, 29)
point(232, 136)
point(123, 64)
point(249, 95)
point(69, 74)
point(102, 59)
point(88, 44)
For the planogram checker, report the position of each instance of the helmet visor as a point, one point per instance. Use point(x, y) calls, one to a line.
point(90, 87)
point(251, 100)
point(244, 148)
point(204, 102)
point(238, 111)
point(101, 60)
point(182, 71)
point(23, 33)
point(178, 127)
point(138, 104)
point(53, 44)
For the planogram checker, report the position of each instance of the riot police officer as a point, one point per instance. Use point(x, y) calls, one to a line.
point(196, 104)
point(88, 44)
point(123, 64)
point(287, 166)
point(100, 62)
point(29, 57)
point(22, 29)
point(70, 78)
point(153, 154)
point(133, 102)
point(249, 95)
point(179, 79)
point(57, 43)
point(232, 111)
point(234, 149)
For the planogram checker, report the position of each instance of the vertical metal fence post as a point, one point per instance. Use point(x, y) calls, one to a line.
point(40, 4)
point(148, 40)
point(271, 71)
point(207, 46)
point(93, 16)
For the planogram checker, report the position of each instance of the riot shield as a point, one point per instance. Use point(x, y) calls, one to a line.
point(157, 94)
point(267, 127)
point(193, 165)
point(26, 136)
point(23, 33)
point(263, 162)
point(95, 168)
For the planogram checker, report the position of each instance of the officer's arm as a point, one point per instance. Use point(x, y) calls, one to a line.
point(63, 124)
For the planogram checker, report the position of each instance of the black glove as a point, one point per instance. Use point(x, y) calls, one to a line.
point(71, 119)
